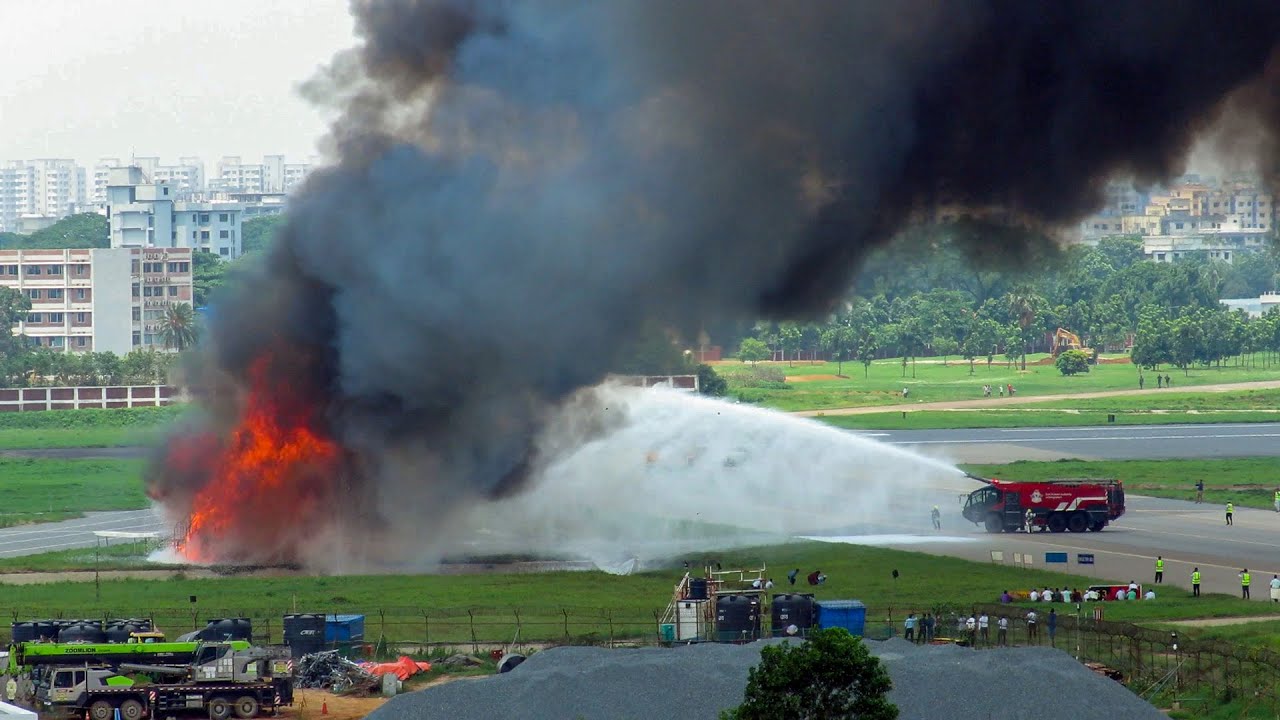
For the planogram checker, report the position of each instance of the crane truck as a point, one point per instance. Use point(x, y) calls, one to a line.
point(222, 682)
point(1055, 505)
point(148, 647)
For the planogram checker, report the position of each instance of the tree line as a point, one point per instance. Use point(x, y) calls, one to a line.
point(923, 296)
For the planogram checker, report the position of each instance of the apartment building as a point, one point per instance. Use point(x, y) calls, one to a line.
point(272, 175)
point(143, 213)
point(186, 178)
point(97, 300)
point(50, 188)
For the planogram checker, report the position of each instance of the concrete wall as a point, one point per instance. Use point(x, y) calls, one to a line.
point(76, 398)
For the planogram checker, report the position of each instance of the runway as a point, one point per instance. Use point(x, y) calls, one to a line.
point(79, 532)
point(1122, 442)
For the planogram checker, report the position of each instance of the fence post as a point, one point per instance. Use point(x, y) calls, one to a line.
point(474, 647)
point(519, 627)
point(566, 622)
point(609, 616)
point(426, 630)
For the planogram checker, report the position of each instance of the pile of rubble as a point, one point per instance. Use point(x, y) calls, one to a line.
point(330, 671)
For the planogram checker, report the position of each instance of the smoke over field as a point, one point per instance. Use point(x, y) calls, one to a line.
point(519, 187)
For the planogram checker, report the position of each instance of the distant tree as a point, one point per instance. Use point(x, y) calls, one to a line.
point(838, 341)
point(14, 307)
point(653, 352)
point(710, 382)
point(85, 230)
point(178, 329)
point(1072, 362)
point(830, 676)
point(753, 350)
point(791, 337)
point(256, 234)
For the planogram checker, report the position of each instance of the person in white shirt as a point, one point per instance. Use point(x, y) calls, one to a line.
point(970, 628)
point(1035, 596)
point(1047, 595)
point(1151, 595)
point(1120, 593)
point(1002, 636)
point(984, 629)
point(1091, 595)
point(1133, 586)
point(756, 583)
point(768, 583)
point(1032, 631)
point(1275, 588)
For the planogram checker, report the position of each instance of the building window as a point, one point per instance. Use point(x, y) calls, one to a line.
point(82, 318)
point(56, 318)
point(80, 294)
point(137, 314)
point(55, 269)
point(173, 291)
point(55, 293)
point(179, 267)
point(222, 217)
point(135, 267)
point(135, 290)
point(82, 269)
point(137, 339)
point(33, 294)
point(224, 251)
point(80, 341)
point(33, 269)
point(204, 218)
point(35, 318)
point(223, 234)
point(10, 269)
point(146, 291)
point(204, 234)
point(56, 341)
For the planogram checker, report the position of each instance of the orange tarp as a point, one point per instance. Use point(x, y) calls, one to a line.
point(404, 668)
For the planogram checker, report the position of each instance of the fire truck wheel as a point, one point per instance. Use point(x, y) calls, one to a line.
point(1096, 526)
point(1057, 523)
point(101, 710)
point(1078, 522)
point(219, 709)
point(131, 710)
point(246, 707)
point(994, 524)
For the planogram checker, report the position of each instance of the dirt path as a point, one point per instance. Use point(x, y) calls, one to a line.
point(1215, 622)
point(998, 402)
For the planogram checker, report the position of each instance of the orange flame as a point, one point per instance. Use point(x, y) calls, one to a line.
point(268, 481)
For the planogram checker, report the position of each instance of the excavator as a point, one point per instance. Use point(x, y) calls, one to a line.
point(1064, 340)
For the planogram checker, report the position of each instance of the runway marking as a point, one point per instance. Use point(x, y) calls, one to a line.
point(1172, 428)
point(1142, 557)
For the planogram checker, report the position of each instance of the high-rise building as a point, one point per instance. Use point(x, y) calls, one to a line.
point(272, 175)
point(144, 214)
point(48, 188)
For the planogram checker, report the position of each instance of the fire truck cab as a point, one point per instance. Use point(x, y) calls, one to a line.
point(1056, 505)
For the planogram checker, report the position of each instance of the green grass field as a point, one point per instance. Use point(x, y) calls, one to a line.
point(1156, 408)
point(814, 386)
point(39, 490)
point(85, 428)
point(1248, 482)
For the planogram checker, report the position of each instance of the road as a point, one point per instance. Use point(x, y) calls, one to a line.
point(47, 537)
point(1121, 442)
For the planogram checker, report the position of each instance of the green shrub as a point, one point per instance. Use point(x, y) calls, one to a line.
point(1072, 362)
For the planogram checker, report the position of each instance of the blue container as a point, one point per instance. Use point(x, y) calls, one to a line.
point(343, 628)
point(848, 614)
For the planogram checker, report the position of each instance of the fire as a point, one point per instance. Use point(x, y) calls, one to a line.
point(267, 482)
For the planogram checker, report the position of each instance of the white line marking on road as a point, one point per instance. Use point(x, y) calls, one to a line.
point(1130, 438)
point(1172, 428)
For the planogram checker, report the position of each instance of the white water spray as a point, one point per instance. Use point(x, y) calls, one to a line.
point(687, 473)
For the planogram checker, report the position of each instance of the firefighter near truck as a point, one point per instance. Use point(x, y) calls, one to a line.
point(1054, 505)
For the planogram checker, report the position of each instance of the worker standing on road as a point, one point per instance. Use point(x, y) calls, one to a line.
point(1244, 584)
point(937, 515)
point(1230, 509)
point(1277, 500)
point(1159, 569)
point(1195, 582)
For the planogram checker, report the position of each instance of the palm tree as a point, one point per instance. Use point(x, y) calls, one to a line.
point(178, 331)
point(1022, 306)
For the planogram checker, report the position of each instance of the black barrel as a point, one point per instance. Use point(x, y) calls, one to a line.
point(737, 618)
point(221, 629)
point(25, 632)
point(120, 631)
point(82, 632)
point(697, 589)
point(790, 611)
point(46, 629)
point(304, 633)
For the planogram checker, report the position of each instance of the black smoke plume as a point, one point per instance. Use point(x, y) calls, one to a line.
point(520, 186)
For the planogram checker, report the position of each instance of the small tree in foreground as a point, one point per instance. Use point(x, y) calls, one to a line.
point(1072, 362)
point(831, 675)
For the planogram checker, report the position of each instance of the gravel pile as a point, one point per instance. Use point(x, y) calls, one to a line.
point(699, 681)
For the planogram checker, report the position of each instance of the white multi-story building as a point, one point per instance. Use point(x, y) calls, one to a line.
point(46, 188)
point(97, 300)
point(187, 178)
point(272, 175)
point(144, 214)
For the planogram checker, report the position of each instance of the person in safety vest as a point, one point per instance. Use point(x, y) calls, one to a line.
point(1230, 509)
point(1244, 584)
point(1277, 500)
point(1195, 582)
point(1159, 569)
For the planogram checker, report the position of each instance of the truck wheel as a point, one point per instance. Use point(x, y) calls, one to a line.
point(247, 707)
point(994, 523)
point(131, 710)
point(102, 710)
point(1057, 523)
point(1078, 522)
point(1096, 526)
point(219, 709)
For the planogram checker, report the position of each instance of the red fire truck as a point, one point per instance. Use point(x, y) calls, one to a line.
point(1055, 505)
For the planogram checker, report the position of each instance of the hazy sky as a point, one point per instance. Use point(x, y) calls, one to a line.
point(106, 78)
